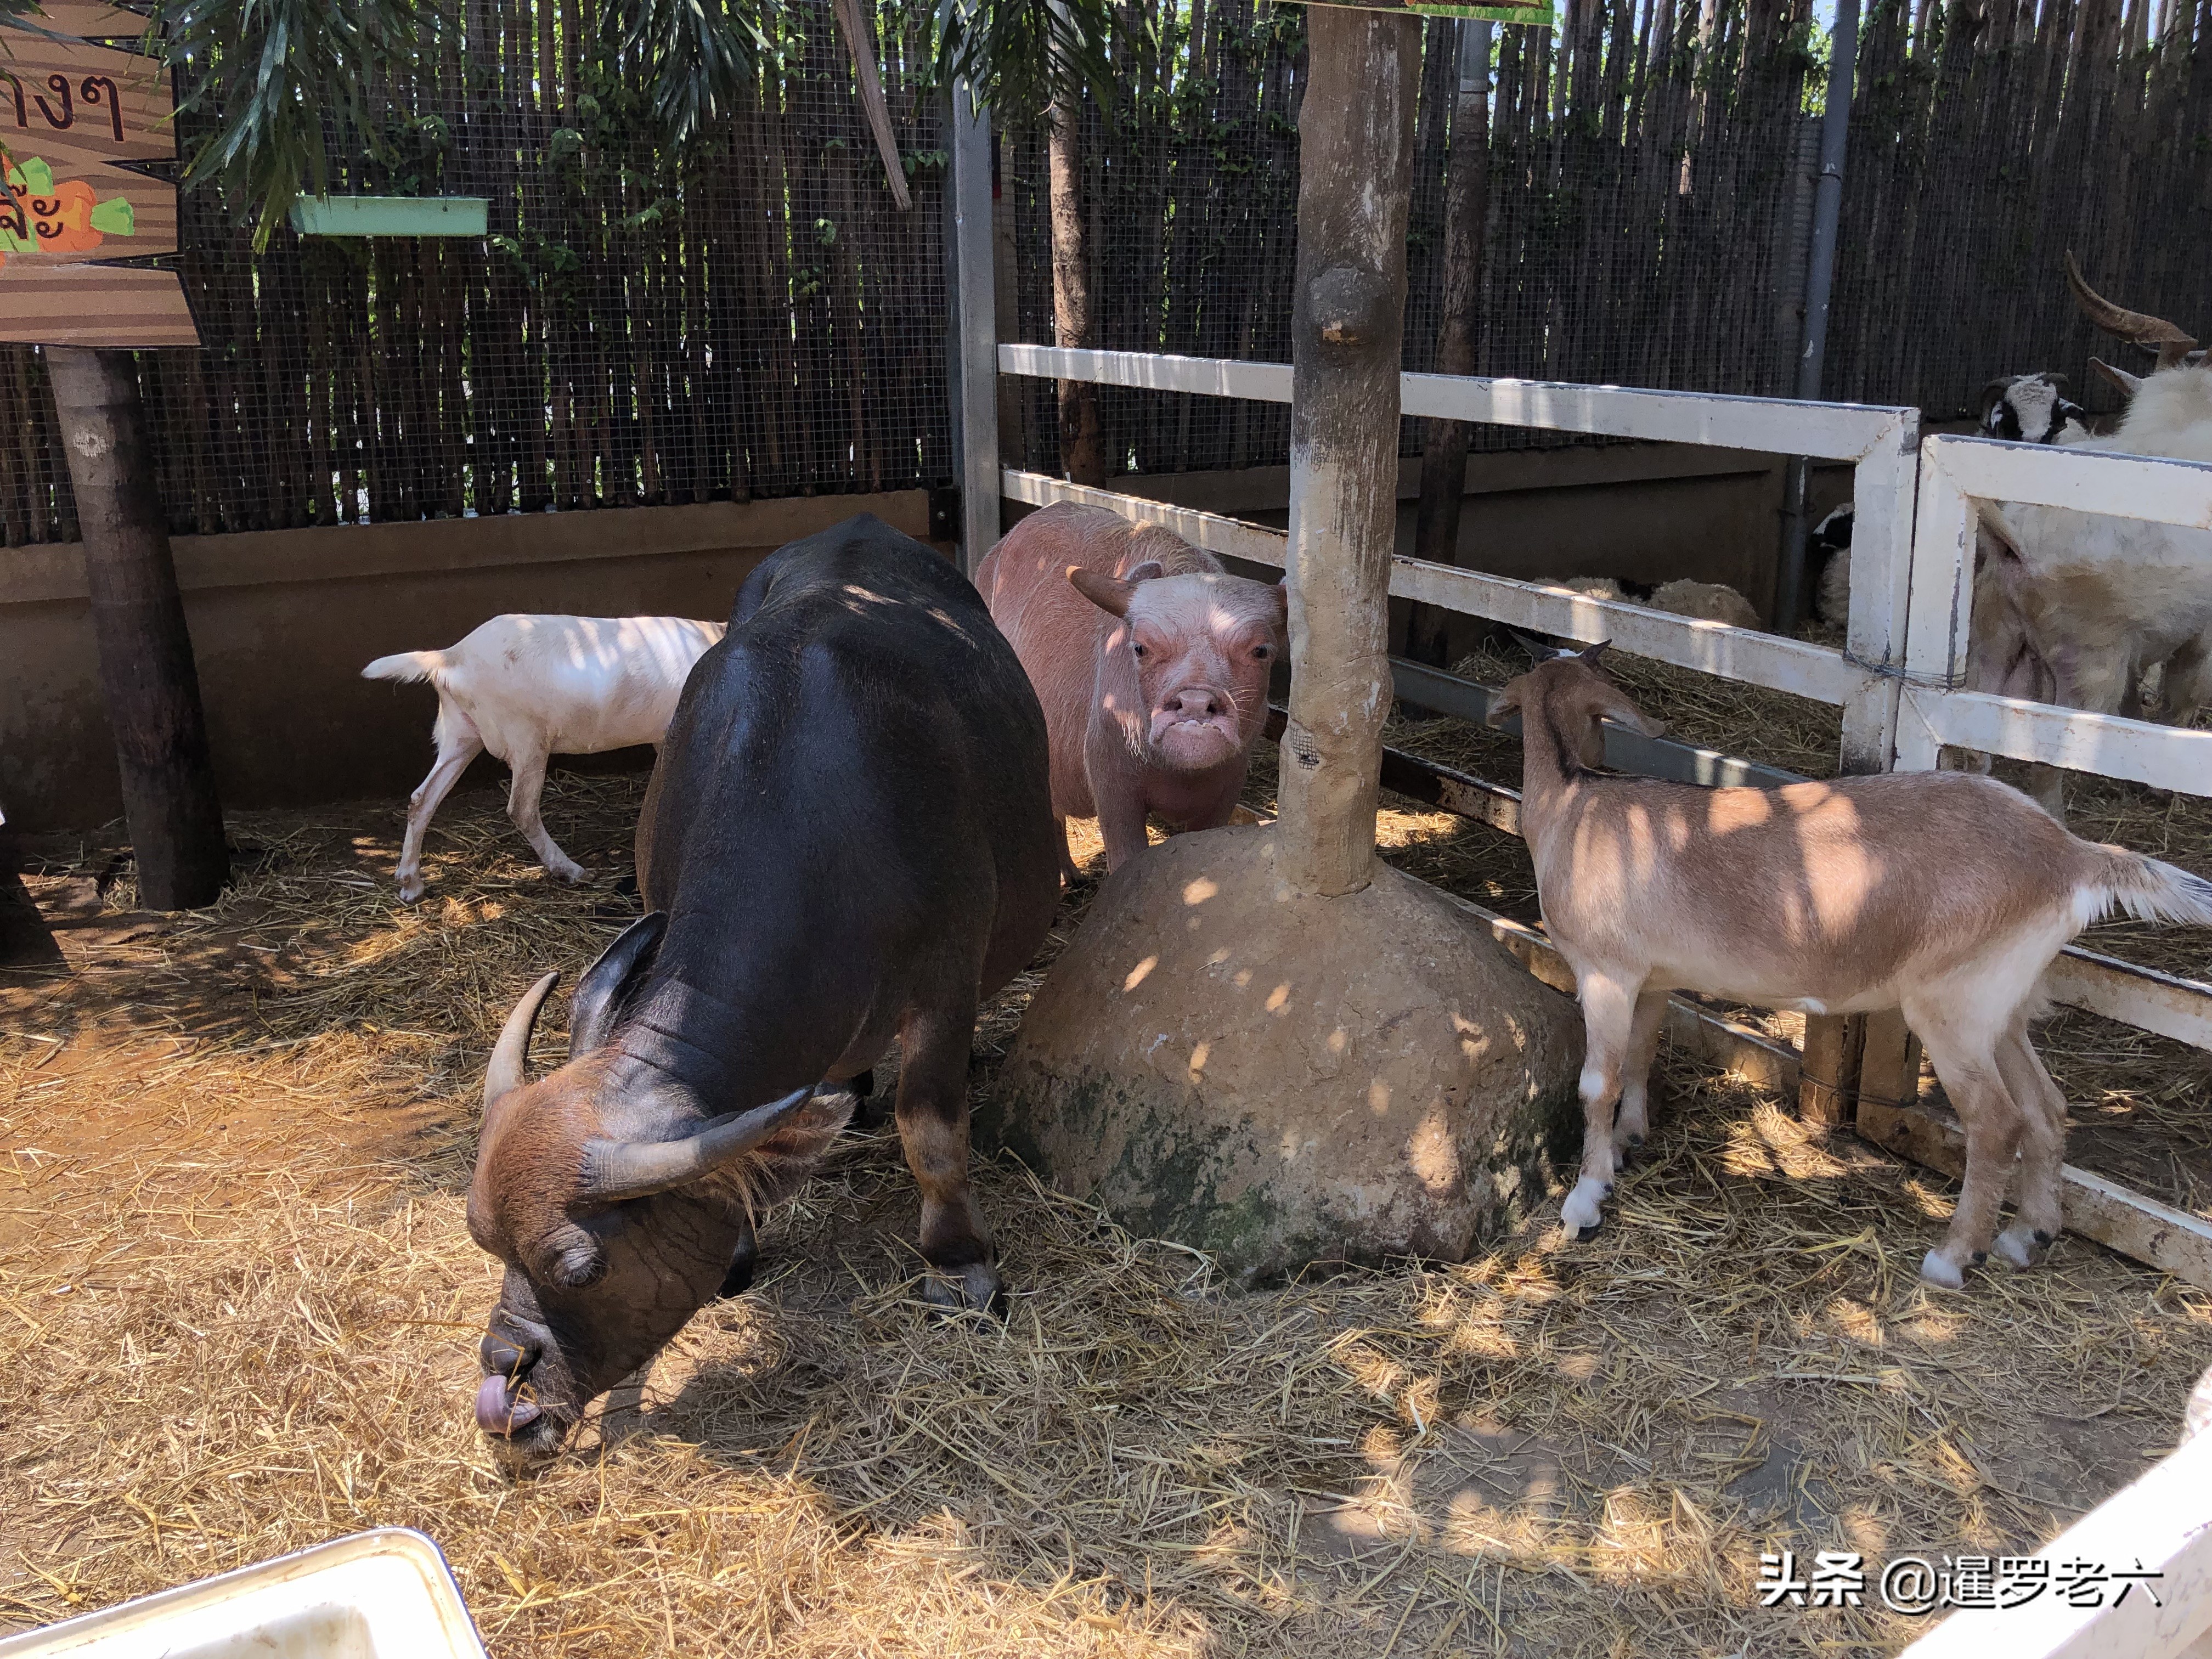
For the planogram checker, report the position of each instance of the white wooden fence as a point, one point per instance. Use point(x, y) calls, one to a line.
point(1900, 682)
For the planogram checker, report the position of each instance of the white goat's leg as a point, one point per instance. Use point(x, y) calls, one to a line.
point(524, 794)
point(459, 742)
point(1632, 1121)
point(2043, 1149)
point(1966, 1063)
point(1608, 1022)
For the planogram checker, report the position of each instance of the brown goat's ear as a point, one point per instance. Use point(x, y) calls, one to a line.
point(1108, 594)
point(1615, 707)
point(1505, 705)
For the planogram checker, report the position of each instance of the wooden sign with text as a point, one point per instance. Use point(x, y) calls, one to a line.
point(75, 120)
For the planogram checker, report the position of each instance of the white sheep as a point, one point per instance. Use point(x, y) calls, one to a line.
point(526, 688)
point(2102, 601)
point(1706, 601)
point(1944, 895)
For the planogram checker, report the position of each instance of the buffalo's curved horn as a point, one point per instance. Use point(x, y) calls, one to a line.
point(2136, 327)
point(618, 1170)
point(510, 1058)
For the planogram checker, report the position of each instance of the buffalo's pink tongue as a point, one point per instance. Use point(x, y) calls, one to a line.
point(497, 1412)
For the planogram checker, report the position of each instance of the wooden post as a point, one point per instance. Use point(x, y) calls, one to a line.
point(1347, 324)
point(1445, 443)
point(975, 345)
point(146, 668)
point(1828, 1081)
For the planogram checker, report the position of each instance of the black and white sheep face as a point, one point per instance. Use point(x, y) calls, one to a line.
point(2030, 409)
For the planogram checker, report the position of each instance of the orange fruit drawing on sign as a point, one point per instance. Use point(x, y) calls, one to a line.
point(42, 214)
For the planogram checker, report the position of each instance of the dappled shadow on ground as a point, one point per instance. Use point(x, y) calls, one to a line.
point(238, 1305)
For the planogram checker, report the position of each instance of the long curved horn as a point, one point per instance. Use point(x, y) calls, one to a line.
point(2135, 326)
point(617, 1169)
point(510, 1058)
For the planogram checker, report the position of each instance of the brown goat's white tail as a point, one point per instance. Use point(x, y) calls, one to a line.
point(407, 667)
point(2146, 889)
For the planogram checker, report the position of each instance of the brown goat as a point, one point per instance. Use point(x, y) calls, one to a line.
point(1944, 895)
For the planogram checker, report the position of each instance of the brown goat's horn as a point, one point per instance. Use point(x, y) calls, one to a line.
point(510, 1059)
point(2135, 326)
point(617, 1169)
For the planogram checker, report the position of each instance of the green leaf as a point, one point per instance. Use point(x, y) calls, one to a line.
point(114, 217)
point(269, 72)
point(698, 57)
point(1021, 56)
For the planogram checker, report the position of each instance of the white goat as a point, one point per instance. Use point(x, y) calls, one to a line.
point(526, 688)
point(1942, 894)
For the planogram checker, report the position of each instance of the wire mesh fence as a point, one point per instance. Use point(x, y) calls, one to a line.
point(757, 318)
point(1650, 174)
point(760, 319)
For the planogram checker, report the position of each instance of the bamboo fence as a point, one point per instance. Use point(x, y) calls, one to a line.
point(760, 321)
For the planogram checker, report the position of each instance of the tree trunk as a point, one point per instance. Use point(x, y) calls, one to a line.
point(1348, 326)
point(1445, 443)
point(146, 670)
point(1082, 441)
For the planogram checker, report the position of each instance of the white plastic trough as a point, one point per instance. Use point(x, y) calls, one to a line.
point(381, 1595)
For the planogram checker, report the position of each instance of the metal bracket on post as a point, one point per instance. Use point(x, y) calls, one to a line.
point(974, 353)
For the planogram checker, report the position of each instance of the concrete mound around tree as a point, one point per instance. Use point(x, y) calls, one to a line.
point(1281, 1080)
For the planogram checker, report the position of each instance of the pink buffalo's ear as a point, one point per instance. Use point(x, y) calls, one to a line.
point(1108, 594)
point(1283, 606)
point(1144, 571)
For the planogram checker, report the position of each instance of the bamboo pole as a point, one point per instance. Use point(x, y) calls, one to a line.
point(1355, 157)
point(1445, 443)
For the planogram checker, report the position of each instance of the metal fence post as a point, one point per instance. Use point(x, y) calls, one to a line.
point(973, 353)
point(1819, 283)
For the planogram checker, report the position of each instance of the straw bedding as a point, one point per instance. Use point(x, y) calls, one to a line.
point(238, 1306)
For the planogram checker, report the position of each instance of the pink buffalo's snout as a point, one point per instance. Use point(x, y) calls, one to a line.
point(1197, 725)
point(501, 1411)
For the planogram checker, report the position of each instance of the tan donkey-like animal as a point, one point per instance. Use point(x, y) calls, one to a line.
point(1944, 895)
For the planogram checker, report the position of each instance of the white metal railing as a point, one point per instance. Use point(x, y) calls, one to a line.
point(1896, 687)
point(2158, 1526)
point(1956, 474)
point(1880, 442)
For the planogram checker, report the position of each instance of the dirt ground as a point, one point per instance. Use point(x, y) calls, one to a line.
point(238, 1309)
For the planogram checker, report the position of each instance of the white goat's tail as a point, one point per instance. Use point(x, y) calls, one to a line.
point(2146, 889)
point(407, 667)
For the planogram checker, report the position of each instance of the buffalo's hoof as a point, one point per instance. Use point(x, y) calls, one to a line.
point(975, 1288)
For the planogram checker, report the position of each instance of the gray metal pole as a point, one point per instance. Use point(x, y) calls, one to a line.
point(973, 353)
point(1820, 284)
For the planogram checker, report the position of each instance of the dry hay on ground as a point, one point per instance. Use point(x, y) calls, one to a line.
point(238, 1306)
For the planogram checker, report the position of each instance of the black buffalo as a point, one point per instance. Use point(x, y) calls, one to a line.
point(849, 837)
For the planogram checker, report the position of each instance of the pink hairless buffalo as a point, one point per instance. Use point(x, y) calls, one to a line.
point(1151, 662)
